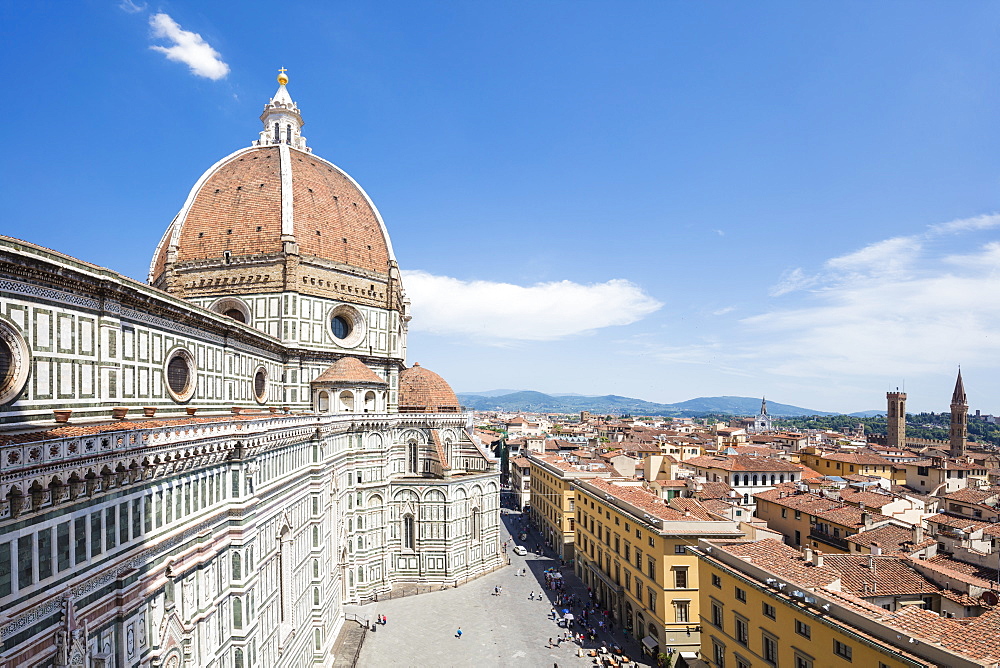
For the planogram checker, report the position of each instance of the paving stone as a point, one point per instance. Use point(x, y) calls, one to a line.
point(505, 630)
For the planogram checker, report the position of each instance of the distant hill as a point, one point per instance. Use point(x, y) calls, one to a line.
point(538, 402)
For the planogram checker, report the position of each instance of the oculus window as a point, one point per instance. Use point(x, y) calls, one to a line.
point(180, 374)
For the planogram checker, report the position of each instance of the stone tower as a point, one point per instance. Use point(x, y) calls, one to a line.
point(896, 419)
point(959, 418)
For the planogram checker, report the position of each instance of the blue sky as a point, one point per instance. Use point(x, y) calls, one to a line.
point(655, 199)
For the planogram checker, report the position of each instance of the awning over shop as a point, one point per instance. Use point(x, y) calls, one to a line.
point(650, 643)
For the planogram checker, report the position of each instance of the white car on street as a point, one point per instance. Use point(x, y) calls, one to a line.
point(520, 550)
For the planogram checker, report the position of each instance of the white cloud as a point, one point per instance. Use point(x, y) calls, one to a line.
point(983, 222)
point(792, 280)
point(188, 48)
point(724, 310)
point(889, 257)
point(130, 7)
point(502, 312)
point(886, 320)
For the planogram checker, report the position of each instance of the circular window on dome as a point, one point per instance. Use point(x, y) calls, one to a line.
point(180, 372)
point(15, 362)
point(260, 384)
point(234, 308)
point(347, 326)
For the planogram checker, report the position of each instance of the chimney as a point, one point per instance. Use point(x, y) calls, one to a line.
point(807, 553)
point(866, 519)
point(818, 559)
point(918, 533)
point(876, 549)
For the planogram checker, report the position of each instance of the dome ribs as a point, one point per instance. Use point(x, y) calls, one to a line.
point(325, 200)
point(238, 210)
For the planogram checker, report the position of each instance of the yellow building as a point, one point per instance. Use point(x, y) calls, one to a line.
point(631, 551)
point(859, 462)
point(553, 499)
point(764, 603)
point(806, 518)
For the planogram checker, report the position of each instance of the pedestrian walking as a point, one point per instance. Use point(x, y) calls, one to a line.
point(458, 634)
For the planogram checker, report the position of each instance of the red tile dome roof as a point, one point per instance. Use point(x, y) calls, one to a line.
point(238, 207)
point(349, 371)
point(423, 391)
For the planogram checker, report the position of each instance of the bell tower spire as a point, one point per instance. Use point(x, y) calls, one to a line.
point(282, 120)
point(959, 418)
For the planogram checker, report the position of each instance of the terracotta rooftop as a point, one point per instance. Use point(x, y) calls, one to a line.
point(782, 560)
point(349, 371)
point(889, 575)
point(891, 538)
point(869, 499)
point(423, 391)
point(237, 208)
point(970, 495)
point(974, 637)
point(678, 510)
point(861, 457)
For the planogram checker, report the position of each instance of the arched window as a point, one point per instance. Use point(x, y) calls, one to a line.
point(781, 478)
point(412, 463)
point(316, 569)
point(369, 402)
point(288, 135)
point(315, 532)
point(315, 595)
point(323, 402)
point(755, 479)
point(772, 478)
point(408, 532)
point(238, 659)
point(237, 613)
point(237, 567)
point(277, 133)
point(346, 401)
point(447, 452)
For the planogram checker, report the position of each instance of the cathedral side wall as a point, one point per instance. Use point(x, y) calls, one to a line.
point(238, 537)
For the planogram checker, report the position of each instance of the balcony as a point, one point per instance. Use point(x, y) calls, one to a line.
point(829, 539)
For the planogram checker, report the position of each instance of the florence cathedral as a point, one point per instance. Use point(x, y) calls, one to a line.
point(205, 469)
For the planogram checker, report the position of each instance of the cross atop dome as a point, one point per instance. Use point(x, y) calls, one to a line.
point(281, 119)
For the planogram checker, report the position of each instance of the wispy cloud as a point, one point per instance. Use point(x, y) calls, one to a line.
point(491, 312)
point(188, 48)
point(910, 307)
point(900, 306)
point(896, 257)
point(130, 7)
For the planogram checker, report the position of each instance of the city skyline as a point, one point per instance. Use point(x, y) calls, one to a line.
point(664, 203)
